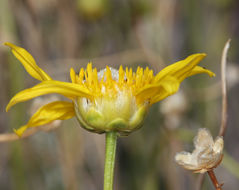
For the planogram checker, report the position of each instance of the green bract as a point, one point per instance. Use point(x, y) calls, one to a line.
point(121, 114)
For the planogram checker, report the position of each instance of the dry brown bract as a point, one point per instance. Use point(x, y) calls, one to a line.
point(207, 154)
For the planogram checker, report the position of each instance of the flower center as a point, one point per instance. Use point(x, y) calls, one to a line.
point(114, 106)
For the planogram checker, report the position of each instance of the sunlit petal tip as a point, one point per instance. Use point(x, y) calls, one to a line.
point(89, 64)
point(8, 106)
point(72, 71)
point(203, 54)
point(9, 44)
point(20, 131)
point(12, 46)
point(204, 70)
point(73, 75)
point(211, 74)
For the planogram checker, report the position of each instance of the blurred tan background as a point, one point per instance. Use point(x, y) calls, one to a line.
point(68, 33)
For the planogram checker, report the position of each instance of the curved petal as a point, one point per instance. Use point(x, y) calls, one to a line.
point(169, 86)
point(184, 68)
point(70, 90)
point(167, 81)
point(28, 62)
point(58, 110)
point(157, 92)
point(198, 70)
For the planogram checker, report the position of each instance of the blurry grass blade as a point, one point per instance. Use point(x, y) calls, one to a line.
point(231, 164)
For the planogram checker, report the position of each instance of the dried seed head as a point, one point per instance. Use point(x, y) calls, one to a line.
point(207, 154)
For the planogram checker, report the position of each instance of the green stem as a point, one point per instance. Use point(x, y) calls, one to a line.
point(110, 149)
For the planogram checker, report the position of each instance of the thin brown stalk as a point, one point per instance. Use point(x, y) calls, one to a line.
point(214, 180)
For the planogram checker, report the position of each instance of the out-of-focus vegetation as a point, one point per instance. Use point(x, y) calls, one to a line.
point(68, 33)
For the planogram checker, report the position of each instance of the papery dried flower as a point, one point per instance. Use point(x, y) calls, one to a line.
point(109, 100)
point(207, 154)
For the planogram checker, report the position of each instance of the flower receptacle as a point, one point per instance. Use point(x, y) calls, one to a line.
point(101, 117)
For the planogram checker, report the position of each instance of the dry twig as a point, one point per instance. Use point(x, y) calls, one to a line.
point(8, 137)
point(224, 90)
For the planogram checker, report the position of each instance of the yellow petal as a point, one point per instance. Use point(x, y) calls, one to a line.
point(59, 110)
point(28, 62)
point(168, 80)
point(21, 130)
point(198, 70)
point(73, 75)
point(70, 90)
point(181, 69)
point(156, 92)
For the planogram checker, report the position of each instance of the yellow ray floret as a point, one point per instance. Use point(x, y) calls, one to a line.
point(69, 90)
point(181, 69)
point(28, 62)
point(58, 110)
point(167, 81)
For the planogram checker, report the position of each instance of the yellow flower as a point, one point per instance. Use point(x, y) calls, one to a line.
point(207, 155)
point(109, 100)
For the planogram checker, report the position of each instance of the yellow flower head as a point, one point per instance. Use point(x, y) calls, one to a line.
point(108, 100)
